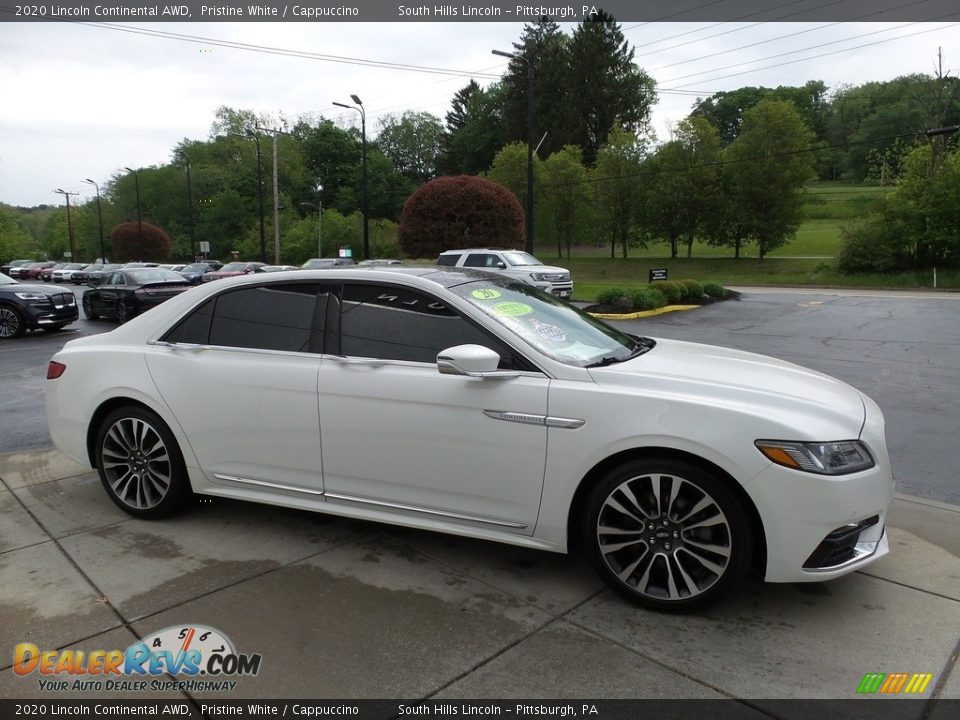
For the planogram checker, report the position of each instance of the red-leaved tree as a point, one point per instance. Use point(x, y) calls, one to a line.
point(456, 212)
point(128, 246)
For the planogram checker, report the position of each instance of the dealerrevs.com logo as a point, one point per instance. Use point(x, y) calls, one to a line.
point(203, 654)
point(899, 683)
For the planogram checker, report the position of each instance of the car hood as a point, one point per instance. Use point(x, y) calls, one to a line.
point(540, 269)
point(808, 401)
point(33, 288)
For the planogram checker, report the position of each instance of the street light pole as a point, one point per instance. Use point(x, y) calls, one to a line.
point(319, 219)
point(103, 254)
point(193, 244)
point(73, 246)
point(358, 106)
point(529, 209)
point(136, 179)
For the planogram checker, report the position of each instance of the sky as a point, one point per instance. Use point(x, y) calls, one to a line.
point(81, 100)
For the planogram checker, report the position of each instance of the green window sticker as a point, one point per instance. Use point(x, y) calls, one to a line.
point(486, 294)
point(512, 309)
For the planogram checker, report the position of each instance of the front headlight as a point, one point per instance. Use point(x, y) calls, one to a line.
point(824, 458)
point(31, 296)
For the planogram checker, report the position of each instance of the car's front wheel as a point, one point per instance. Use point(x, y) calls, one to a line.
point(666, 534)
point(140, 463)
point(11, 323)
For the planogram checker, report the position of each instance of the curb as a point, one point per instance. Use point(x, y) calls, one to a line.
point(643, 313)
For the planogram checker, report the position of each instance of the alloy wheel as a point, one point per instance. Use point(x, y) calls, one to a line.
point(664, 537)
point(10, 323)
point(136, 463)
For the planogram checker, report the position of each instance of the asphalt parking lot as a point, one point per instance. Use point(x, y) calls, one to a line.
point(343, 609)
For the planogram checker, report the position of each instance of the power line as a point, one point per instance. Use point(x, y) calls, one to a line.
point(795, 34)
point(812, 57)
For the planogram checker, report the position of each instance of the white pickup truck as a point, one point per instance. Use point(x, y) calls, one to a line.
point(512, 263)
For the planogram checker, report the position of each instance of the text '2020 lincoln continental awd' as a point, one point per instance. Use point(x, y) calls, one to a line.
point(477, 405)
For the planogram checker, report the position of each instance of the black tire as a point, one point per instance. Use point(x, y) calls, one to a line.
point(11, 323)
point(123, 314)
point(666, 534)
point(140, 464)
point(88, 309)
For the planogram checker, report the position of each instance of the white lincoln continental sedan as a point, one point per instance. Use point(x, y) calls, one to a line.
point(472, 404)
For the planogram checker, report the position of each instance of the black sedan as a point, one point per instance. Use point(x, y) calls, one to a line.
point(126, 293)
point(26, 306)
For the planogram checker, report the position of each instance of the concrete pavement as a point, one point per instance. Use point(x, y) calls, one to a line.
point(347, 609)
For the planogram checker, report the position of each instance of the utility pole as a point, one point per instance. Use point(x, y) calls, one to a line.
point(275, 132)
point(73, 246)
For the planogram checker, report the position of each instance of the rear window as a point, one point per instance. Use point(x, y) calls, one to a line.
point(449, 259)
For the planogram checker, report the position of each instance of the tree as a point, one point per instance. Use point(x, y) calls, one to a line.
point(129, 244)
point(460, 211)
point(15, 240)
point(546, 47)
point(917, 225)
point(770, 162)
point(605, 88)
point(413, 143)
point(472, 145)
point(725, 110)
point(568, 197)
point(617, 188)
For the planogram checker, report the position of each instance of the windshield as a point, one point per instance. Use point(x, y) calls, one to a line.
point(195, 267)
point(520, 258)
point(556, 329)
point(233, 267)
point(4, 280)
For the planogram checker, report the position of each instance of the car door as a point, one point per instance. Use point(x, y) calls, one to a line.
point(109, 293)
point(398, 435)
point(240, 375)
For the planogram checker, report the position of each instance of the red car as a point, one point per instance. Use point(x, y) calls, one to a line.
point(233, 269)
point(32, 271)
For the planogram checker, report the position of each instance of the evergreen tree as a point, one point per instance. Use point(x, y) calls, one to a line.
point(604, 87)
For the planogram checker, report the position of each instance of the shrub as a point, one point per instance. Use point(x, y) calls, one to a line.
point(647, 298)
point(671, 291)
point(611, 296)
point(694, 289)
point(129, 246)
point(462, 211)
point(714, 289)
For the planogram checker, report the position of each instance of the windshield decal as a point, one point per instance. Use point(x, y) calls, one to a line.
point(512, 309)
point(486, 294)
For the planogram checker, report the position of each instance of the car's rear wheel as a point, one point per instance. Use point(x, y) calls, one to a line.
point(666, 534)
point(11, 323)
point(88, 309)
point(140, 463)
point(123, 313)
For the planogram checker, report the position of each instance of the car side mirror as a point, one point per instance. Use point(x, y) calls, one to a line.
point(501, 264)
point(472, 361)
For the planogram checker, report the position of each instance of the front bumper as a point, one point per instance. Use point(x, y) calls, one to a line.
point(62, 308)
point(820, 527)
